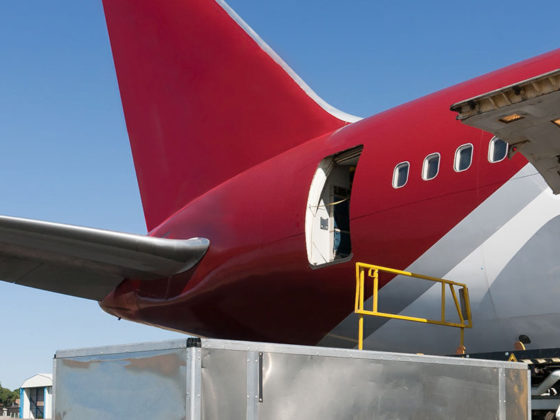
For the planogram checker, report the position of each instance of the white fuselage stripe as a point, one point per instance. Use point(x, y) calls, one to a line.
point(337, 113)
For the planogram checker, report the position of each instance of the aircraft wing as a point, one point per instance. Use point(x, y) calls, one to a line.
point(527, 116)
point(85, 262)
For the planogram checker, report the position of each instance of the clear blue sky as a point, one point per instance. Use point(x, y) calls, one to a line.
point(65, 154)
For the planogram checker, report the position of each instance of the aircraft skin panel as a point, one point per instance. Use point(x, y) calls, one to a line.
point(202, 99)
point(464, 238)
point(513, 283)
point(474, 252)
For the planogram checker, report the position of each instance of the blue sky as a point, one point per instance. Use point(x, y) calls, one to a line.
point(65, 154)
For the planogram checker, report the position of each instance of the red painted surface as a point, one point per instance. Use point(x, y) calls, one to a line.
point(195, 87)
point(255, 282)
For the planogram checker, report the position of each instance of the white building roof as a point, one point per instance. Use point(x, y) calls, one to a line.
point(38, 381)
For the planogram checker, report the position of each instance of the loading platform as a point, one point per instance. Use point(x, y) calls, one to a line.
point(220, 379)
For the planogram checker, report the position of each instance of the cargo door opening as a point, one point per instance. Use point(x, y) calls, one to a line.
point(327, 218)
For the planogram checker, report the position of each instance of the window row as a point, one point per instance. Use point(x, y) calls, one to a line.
point(497, 151)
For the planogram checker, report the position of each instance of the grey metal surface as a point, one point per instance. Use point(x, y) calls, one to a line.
point(87, 262)
point(122, 348)
point(501, 394)
point(253, 379)
point(53, 405)
point(129, 385)
point(209, 343)
point(224, 384)
point(529, 402)
point(194, 364)
point(244, 380)
point(310, 387)
point(551, 404)
point(517, 389)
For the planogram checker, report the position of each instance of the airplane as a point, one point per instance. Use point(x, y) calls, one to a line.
point(259, 197)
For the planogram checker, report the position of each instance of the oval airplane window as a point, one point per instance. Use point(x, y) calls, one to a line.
point(497, 150)
point(400, 174)
point(430, 168)
point(463, 157)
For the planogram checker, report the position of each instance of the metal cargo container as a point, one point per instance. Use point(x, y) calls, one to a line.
point(220, 379)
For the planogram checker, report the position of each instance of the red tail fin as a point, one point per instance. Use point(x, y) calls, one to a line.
point(204, 98)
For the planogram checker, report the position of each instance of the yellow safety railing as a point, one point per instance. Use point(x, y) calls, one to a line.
point(373, 273)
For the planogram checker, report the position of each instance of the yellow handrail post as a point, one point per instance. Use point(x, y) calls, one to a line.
point(361, 275)
point(442, 302)
point(468, 306)
point(457, 306)
point(375, 289)
point(357, 300)
point(361, 333)
point(362, 292)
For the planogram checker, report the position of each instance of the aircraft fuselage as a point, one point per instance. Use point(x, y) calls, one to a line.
point(256, 281)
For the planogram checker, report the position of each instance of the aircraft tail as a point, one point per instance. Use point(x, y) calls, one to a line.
point(204, 98)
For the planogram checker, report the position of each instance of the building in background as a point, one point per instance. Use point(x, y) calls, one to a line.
point(36, 397)
point(11, 411)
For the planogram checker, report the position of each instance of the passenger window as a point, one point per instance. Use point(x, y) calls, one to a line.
point(400, 174)
point(497, 150)
point(463, 157)
point(430, 168)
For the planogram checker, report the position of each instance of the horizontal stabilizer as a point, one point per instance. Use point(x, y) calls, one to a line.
point(527, 116)
point(85, 262)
